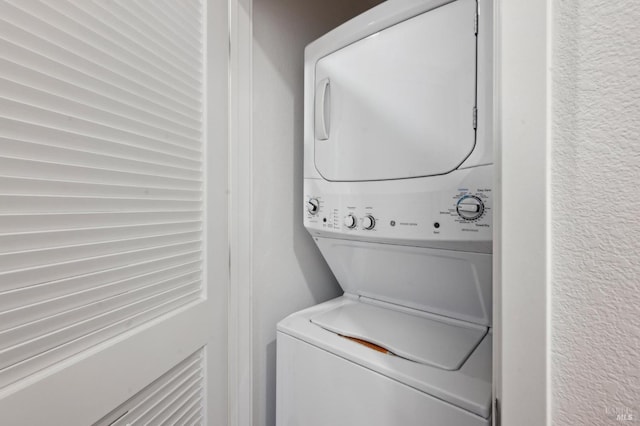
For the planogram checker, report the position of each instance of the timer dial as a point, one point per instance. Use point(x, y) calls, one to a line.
point(470, 207)
point(313, 205)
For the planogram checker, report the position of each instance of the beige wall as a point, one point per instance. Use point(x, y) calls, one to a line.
point(595, 322)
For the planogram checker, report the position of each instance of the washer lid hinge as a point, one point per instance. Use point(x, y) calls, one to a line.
point(475, 117)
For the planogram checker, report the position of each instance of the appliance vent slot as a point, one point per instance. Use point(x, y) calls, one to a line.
point(101, 172)
point(175, 398)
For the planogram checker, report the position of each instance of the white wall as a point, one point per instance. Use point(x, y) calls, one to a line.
point(596, 231)
point(288, 272)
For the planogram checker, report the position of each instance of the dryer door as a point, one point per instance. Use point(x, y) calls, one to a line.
point(399, 103)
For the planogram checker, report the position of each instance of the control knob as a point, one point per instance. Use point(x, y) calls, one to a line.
point(313, 205)
point(470, 207)
point(350, 221)
point(368, 222)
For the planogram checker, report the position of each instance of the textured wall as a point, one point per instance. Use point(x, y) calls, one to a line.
point(596, 228)
point(288, 270)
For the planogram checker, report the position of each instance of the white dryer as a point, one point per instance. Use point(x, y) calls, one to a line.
point(398, 197)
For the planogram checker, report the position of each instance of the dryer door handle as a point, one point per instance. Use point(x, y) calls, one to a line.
point(323, 110)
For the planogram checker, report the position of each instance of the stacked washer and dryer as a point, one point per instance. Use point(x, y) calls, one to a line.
point(398, 190)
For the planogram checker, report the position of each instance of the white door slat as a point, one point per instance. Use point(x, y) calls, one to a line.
point(42, 64)
point(43, 135)
point(191, 11)
point(41, 79)
point(192, 416)
point(195, 420)
point(53, 99)
point(179, 14)
point(61, 16)
point(60, 221)
point(173, 402)
point(23, 241)
point(21, 186)
point(47, 31)
point(156, 391)
point(159, 404)
point(140, 403)
point(59, 352)
point(49, 153)
point(184, 57)
point(13, 110)
point(159, 26)
point(87, 12)
point(190, 28)
point(52, 204)
point(23, 314)
point(52, 292)
point(47, 273)
point(24, 259)
point(178, 28)
point(17, 167)
point(185, 410)
point(40, 344)
point(189, 53)
point(30, 43)
point(30, 330)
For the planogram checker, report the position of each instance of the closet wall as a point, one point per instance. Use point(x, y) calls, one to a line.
point(288, 272)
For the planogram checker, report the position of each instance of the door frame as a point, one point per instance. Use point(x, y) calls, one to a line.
point(216, 204)
point(522, 251)
point(240, 333)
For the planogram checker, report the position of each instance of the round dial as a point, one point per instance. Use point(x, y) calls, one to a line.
point(368, 222)
point(313, 205)
point(470, 207)
point(350, 221)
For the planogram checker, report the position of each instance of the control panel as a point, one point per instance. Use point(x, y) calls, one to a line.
point(452, 211)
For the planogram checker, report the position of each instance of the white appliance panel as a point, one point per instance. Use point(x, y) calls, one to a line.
point(343, 393)
point(443, 282)
point(422, 212)
point(399, 103)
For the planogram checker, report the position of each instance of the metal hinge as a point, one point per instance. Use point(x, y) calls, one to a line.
point(496, 412)
point(475, 117)
point(475, 24)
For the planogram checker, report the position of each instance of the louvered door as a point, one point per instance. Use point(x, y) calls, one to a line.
point(102, 189)
point(175, 398)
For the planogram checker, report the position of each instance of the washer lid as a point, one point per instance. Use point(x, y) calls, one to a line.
point(399, 103)
point(420, 338)
point(468, 388)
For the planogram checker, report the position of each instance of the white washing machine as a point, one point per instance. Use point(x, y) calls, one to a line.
point(398, 197)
